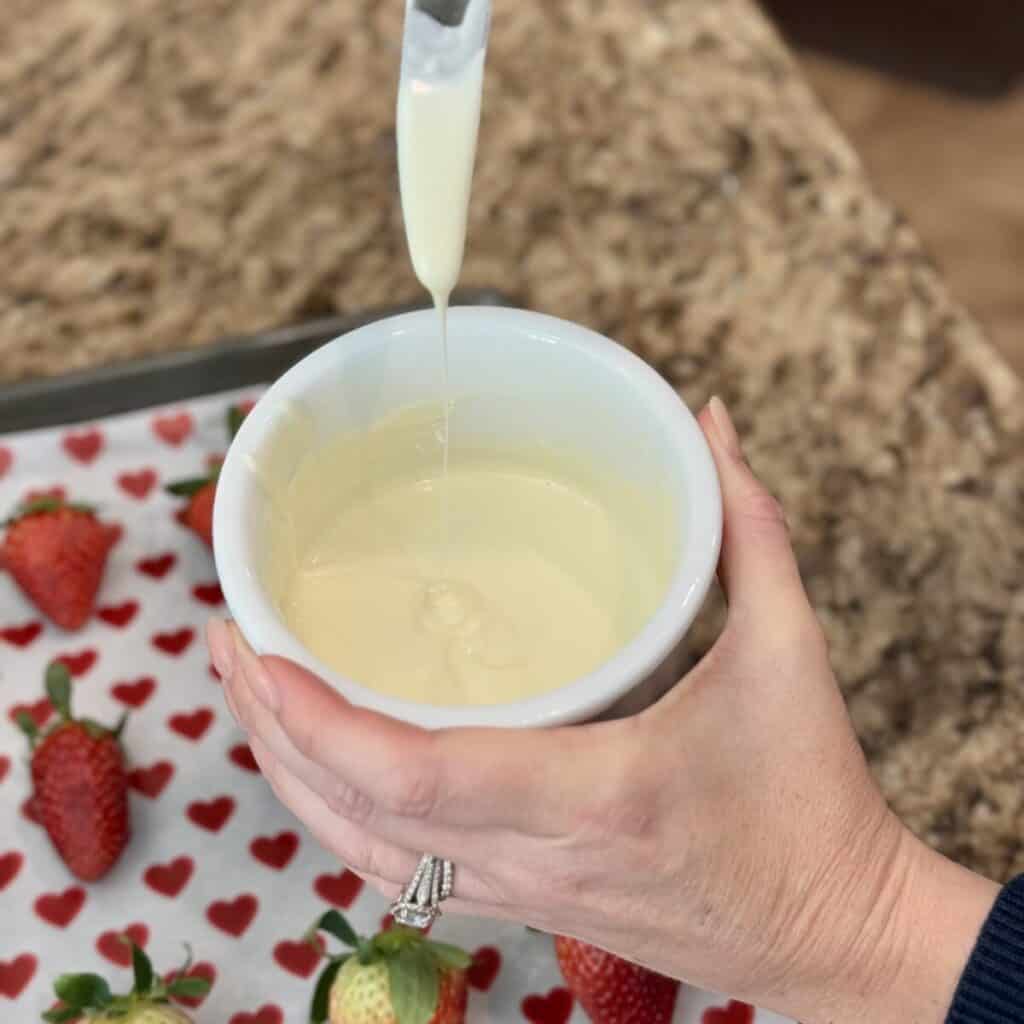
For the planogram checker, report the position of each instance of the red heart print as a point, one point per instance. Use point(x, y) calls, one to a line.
point(193, 724)
point(54, 493)
point(151, 781)
point(211, 814)
point(341, 889)
point(241, 755)
point(246, 406)
point(268, 1014)
point(5, 766)
point(60, 908)
point(554, 1008)
point(169, 879)
point(39, 712)
point(299, 958)
point(137, 484)
point(158, 566)
point(735, 1013)
point(115, 949)
point(173, 428)
point(208, 593)
point(174, 643)
point(134, 694)
point(10, 865)
point(277, 851)
point(6, 460)
point(484, 968)
point(30, 811)
point(119, 615)
point(204, 970)
point(79, 663)
point(17, 973)
point(21, 636)
point(84, 445)
point(233, 916)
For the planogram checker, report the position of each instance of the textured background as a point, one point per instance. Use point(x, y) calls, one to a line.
point(175, 170)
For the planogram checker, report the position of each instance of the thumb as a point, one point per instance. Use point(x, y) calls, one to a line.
point(757, 568)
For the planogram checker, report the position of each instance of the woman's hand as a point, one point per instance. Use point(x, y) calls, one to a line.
point(731, 835)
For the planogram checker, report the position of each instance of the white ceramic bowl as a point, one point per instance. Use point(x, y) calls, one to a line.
point(584, 393)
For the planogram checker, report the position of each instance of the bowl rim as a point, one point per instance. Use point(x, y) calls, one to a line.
point(578, 700)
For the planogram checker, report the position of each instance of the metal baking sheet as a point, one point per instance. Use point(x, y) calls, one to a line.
point(187, 373)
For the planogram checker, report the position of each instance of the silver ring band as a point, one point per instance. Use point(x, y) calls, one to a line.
point(419, 903)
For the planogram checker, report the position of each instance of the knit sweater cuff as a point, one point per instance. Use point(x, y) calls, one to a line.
point(991, 990)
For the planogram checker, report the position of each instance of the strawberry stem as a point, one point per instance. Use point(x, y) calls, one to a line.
point(58, 688)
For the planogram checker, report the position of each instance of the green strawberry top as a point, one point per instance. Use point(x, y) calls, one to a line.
point(413, 964)
point(89, 996)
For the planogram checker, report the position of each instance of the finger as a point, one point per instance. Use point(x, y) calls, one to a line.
point(758, 569)
point(388, 866)
point(531, 780)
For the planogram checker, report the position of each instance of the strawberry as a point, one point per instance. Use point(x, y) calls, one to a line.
point(612, 990)
point(397, 977)
point(88, 996)
point(56, 553)
point(80, 783)
point(197, 513)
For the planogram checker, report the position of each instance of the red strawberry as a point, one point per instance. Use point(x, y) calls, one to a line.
point(197, 513)
point(398, 976)
point(80, 783)
point(88, 996)
point(56, 553)
point(612, 990)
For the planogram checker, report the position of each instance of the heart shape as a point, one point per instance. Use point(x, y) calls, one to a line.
point(112, 945)
point(233, 916)
point(554, 1008)
point(84, 445)
point(735, 1013)
point(211, 814)
point(174, 643)
point(158, 566)
point(119, 615)
point(241, 755)
point(21, 636)
point(484, 968)
point(10, 865)
point(79, 663)
point(299, 958)
point(204, 970)
point(173, 428)
point(60, 908)
point(17, 973)
point(134, 694)
point(138, 484)
point(268, 1014)
point(56, 493)
point(208, 593)
point(275, 851)
point(341, 889)
point(6, 460)
point(169, 879)
point(191, 724)
point(39, 712)
point(5, 766)
point(151, 781)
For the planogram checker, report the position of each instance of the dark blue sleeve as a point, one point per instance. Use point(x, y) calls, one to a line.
point(991, 990)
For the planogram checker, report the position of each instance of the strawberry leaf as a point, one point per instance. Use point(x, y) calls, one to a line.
point(448, 955)
point(322, 994)
point(187, 488)
point(334, 923)
point(27, 724)
point(83, 991)
point(415, 985)
point(235, 417)
point(60, 1014)
point(142, 968)
point(189, 988)
point(58, 688)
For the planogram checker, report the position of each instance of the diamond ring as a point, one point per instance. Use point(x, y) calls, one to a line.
point(419, 903)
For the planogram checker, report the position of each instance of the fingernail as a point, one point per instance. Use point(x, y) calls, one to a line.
point(222, 647)
point(725, 427)
point(258, 678)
